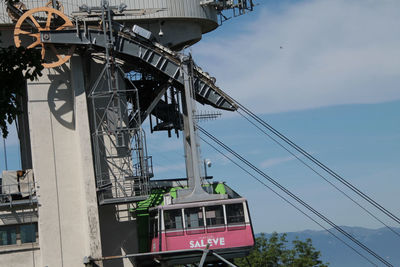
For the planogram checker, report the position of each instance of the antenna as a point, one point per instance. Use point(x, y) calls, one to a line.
point(207, 116)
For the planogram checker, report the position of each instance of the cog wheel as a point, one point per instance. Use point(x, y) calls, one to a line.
point(31, 23)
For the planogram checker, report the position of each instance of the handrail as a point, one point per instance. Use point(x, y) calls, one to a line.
point(18, 193)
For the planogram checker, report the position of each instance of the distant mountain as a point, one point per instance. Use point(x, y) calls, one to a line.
point(382, 241)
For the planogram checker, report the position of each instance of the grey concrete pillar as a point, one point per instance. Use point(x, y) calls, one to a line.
point(63, 167)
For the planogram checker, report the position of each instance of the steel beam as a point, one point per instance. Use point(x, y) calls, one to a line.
point(129, 47)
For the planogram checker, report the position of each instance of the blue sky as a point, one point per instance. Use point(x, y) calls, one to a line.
point(333, 88)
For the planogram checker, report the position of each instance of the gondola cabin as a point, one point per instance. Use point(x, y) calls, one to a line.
point(224, 225)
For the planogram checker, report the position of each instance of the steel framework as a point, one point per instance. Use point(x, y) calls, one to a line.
point(122, 166)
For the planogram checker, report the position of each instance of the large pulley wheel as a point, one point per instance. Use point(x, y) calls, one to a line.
point(27, 33)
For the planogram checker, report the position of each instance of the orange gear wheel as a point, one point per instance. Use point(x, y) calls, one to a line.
point(44, 19)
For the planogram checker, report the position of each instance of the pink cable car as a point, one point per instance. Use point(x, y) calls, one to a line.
point(222, 225)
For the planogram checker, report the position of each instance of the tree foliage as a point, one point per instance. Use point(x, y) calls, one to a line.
point(17, 65)
point(275, 251)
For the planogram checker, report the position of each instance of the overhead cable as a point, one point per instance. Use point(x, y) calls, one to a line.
point(320, 175)
point(318, 163)
point(299, 200)
point(288, 201)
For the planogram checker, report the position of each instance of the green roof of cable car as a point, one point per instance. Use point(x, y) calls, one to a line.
point(156, 197)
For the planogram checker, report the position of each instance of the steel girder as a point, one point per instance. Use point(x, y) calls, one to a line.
point(154, 57)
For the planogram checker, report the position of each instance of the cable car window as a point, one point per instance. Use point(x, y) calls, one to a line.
point(173, 219)
point(235, 213)
point(194, 217)
point(214, 215)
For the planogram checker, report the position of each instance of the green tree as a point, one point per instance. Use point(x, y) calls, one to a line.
point(274, 251)
point(17, 65)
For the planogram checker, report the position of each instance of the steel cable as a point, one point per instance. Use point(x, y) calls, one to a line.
point(318, 163)
point(299, 200)
point(287, 201)
point(320, 175)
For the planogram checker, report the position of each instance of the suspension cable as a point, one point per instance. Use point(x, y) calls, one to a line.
point(318, 163)
point(299, 200)
point(319, 174)
point(288, 201)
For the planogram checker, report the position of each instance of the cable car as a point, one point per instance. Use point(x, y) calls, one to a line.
point(222, 225)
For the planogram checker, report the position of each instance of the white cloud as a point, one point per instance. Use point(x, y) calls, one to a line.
point(333, 52)
point(275, 161)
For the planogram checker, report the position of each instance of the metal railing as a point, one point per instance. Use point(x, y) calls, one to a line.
point(20, 193)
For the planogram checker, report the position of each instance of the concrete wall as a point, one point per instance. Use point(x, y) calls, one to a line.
point(26, 255)
point(69, 219)
point(63, 167)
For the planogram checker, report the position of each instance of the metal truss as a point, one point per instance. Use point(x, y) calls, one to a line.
point(122, 167)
